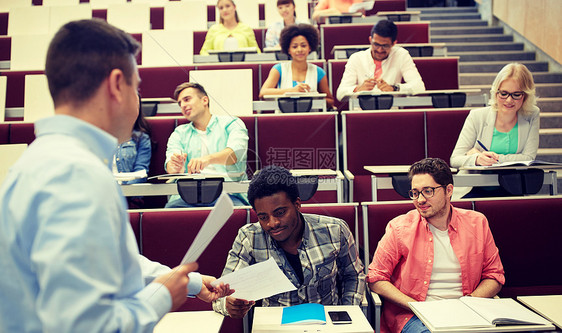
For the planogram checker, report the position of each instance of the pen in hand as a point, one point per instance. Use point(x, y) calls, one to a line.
point(482, 145)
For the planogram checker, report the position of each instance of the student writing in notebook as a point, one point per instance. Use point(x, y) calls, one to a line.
point(208, 143)
point(382, 67)
point(508, 128)
point(297, 75)
point(436, 251)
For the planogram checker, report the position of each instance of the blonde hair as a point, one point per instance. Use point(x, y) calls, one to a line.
point(524, 79)
point(235, 11)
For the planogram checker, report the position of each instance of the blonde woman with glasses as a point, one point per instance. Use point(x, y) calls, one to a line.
point(508, 129)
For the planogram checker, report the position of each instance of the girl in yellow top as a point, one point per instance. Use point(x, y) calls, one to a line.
point(230, 33)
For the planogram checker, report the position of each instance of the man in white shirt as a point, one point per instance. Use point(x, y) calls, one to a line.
point(382, 67)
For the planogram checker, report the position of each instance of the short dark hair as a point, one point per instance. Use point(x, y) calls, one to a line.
point(306, 30)
point(435, 167)
point(386, 29)
point(270, 180)
point(181, 87)
point(285, 2)
point(82, 54)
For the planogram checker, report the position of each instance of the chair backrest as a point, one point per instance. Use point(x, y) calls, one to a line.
point(311, 144)
point(4, 133)
point(135, 220)
point(335, 73)
point(381, 134)
point(104, 4)
point(387, 6)
point(349, 212)
point(175, 14)
point(10, 154)
point(21, 132)
point(161, 128)
point(443, 129)
point(3, 83)
point(358, 34)
point(229, 90)
point(527, 234)
point(167, 48)
point(251, 158)
point(168, 234)
point(159, 82)
point(38, 103)
point(439, 73)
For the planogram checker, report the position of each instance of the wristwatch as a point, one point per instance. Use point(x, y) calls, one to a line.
point(396, 87)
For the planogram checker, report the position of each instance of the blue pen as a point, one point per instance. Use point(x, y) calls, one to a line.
point(482, 145)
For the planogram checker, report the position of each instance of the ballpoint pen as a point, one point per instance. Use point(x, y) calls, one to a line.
point(482, 145)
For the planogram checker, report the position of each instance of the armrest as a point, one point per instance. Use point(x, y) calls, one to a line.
point(348, 175)
point(377, 303)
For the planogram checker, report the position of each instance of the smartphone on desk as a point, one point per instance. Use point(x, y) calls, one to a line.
point(339, 317)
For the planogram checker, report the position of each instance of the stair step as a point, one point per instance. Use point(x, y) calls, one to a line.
point(496, 66)
point(550, 137)
point(508, 56)
point(452, 16)
point(465, 31)
point(550, 104)
point(551, 120)
point(471, 38)
point(488, 78)
point(495, 46)
point(458, 23)
point(542, 89)
point(545, 154)
point(444, 10)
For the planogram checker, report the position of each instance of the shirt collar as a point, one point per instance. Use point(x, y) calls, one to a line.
point(99, 142)
point(453, 223)
point(305, 234)
point(210, 125)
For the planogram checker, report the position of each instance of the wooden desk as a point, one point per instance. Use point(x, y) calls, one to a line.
point(190, 321)
point(340, 51)
point(268, 319)
point(460, 180)
point(549, 306)
point(270, 102)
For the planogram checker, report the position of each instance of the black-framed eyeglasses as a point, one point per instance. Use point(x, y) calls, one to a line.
point(427, 192)
point(516, 95)
point(383, 46)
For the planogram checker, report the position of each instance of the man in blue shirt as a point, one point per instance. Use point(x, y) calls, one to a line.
point(67, 252)
point(208, 144)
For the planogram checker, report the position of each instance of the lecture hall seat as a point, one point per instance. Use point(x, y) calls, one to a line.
point(443, 130)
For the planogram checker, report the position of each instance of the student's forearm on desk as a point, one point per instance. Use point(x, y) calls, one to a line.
point(391, 293)
point(487, 288)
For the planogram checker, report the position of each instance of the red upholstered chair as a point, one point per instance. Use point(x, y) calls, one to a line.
point(4, 133)
point(135, 220)
point(439, 73)
point(251, 158)
point(349, 212)
point(387, 6)
point(380, 138)
point(15, 87)
point(443, 129)
point(156, 18)
point(527, 233)
point(159, 82)
point(358, 34)
point(167, 235)
point(3, 24)
point(21, 132)
point(335, 73)
point(5, 47)
point(312, 144)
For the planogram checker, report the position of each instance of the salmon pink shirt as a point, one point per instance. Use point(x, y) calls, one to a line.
point(404, 257)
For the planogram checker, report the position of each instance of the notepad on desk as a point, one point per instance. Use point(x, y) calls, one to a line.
point(308, 313)
point(524, 163)
point(474, 312)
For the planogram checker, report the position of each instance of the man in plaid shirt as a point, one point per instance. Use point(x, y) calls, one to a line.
point(316, 253)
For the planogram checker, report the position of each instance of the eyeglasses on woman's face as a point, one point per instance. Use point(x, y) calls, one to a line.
point(516, 95)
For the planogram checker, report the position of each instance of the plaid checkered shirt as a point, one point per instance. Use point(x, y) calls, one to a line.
point(333, 272)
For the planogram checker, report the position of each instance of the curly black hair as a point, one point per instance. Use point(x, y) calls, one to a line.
point(270, 180)
point(306, 30)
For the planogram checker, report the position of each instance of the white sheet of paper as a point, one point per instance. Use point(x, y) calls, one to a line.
point(257, 281)
point(123, 176)
point(214, 222)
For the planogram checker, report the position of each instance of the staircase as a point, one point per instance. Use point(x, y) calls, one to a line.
point(483, 50)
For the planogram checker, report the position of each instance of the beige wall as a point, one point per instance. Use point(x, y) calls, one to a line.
point(537, 20)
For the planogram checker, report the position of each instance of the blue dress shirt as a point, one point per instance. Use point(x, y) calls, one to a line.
point(67, 253)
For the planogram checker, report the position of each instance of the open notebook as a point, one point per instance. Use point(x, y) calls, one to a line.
point(474, 312)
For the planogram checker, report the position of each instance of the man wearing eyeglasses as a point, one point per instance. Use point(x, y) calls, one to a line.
point(382, 66)
point(434, 252)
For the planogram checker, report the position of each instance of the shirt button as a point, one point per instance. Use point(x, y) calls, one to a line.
point(430, 239)
point(429, 261)
point(424, 282)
